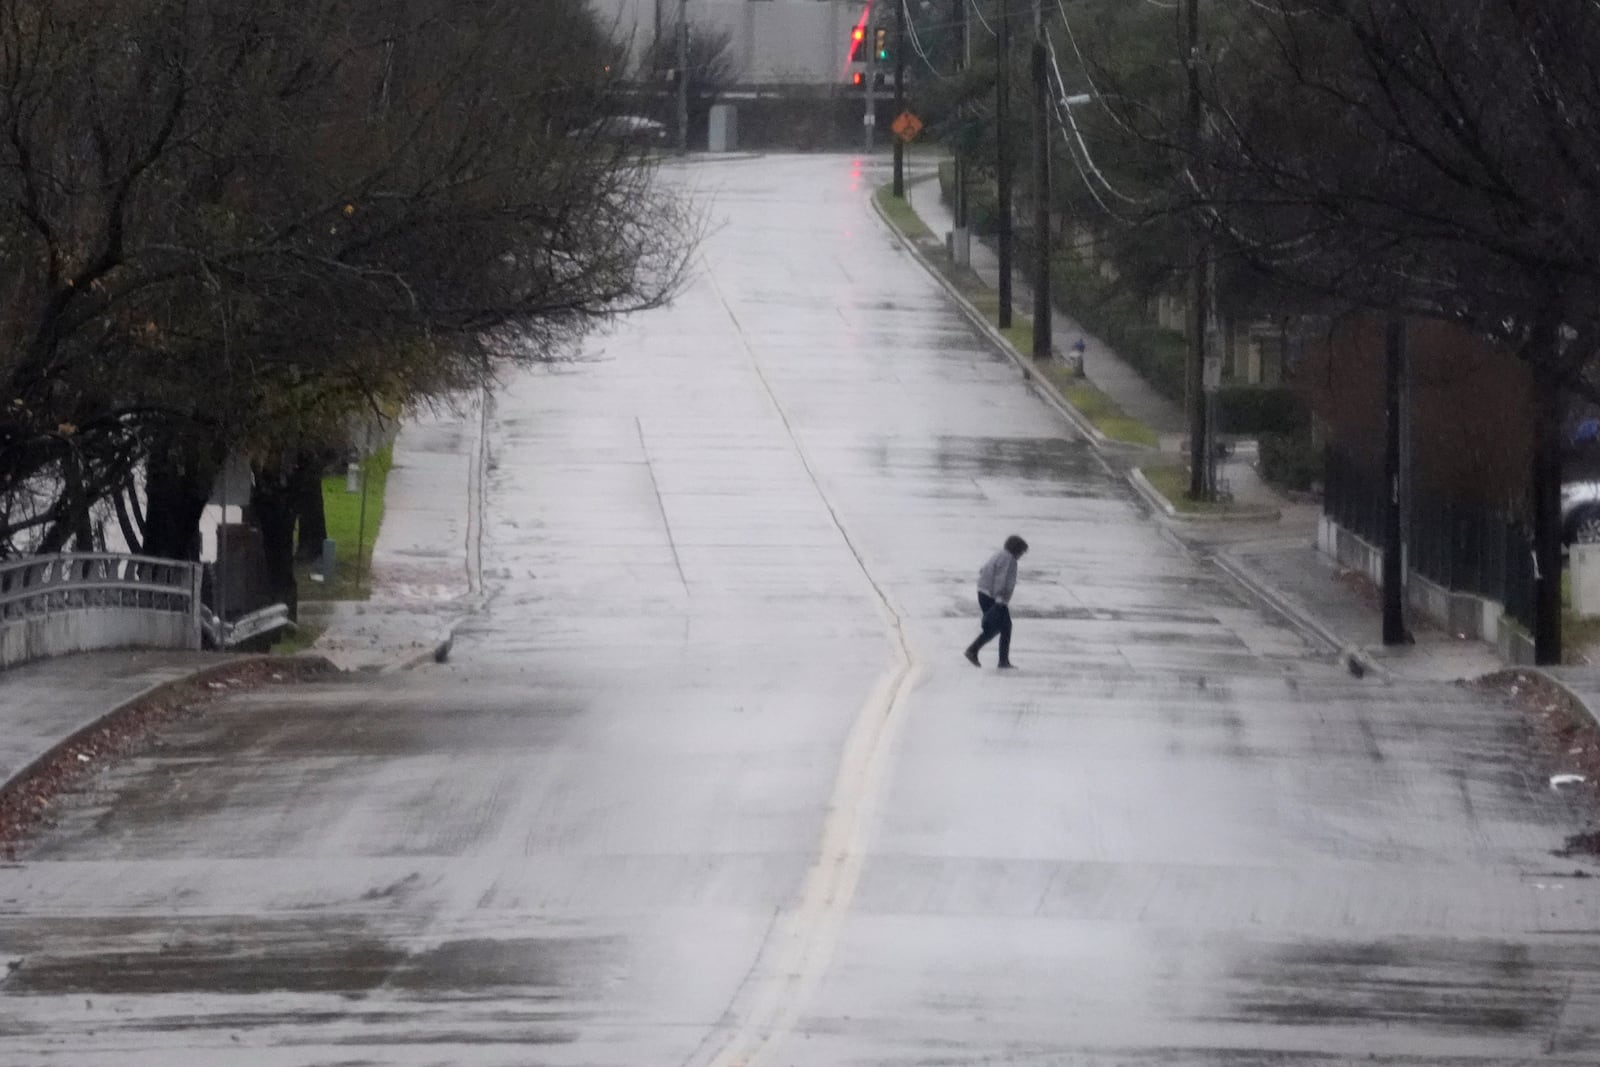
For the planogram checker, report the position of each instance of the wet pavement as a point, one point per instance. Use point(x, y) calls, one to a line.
point(426, 567)
point(44, 703)
point(1102, 364)
point(1343, 610)
point(707, 781)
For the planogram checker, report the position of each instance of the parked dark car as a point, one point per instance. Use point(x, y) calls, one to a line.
point(1580, 512)
point(634, 128)
point(1580, 491)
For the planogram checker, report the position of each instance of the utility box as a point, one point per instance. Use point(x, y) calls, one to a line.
point(236, 583)
point(1583, 563)
point(958, 242)
point(723, 134)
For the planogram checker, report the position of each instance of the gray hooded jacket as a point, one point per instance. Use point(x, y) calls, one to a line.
point(998, 577)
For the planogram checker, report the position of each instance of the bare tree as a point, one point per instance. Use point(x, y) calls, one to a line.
point(1438, 158)
point(226, 221)
point(1462, 182)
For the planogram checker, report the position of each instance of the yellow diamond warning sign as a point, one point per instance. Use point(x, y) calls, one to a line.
point(906, 126)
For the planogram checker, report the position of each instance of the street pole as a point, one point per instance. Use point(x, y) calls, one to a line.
point(1407, 463)
point(1394, 611)
point(1549, 409)
point(869, 119)
point(361, 527)
point(683, 77)
point(221, 569)
point(1042, 326)
point(1002, 90)
point(1199, 460)
point(963, 60)
point(899, 95)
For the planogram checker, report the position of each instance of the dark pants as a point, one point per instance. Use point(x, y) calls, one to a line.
point(996, 620)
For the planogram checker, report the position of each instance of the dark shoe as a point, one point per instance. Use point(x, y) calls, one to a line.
point(1007, 666)
point(972, 657)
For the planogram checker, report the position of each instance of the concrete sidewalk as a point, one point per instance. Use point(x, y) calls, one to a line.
point(1106, 370)
point(425, 566)
point(1303, 583)
point(44, 703)
point(424, 580)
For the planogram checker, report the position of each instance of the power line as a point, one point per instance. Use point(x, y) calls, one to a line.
point(978, 11)
point(1083, 65)
point(1077, 136)
point(916, 42)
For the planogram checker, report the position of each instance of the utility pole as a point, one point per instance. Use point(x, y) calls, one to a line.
point(961, 249)
point(899, 95)
point(1200, 482)
point(683, 77)
point(1549, 409)
point(1042, 304)
point(1002, 90)
point(1394, 581)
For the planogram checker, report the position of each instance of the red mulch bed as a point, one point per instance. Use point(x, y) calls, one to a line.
point(26, 800)
point(1361, 585)
point(1568, 739)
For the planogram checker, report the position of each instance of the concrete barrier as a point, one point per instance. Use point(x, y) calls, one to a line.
point(1464, 614)
point(85, 601)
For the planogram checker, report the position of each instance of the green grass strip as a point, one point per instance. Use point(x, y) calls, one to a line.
point(301, 638)
point(1094, 405)
point(1172, 482)
point(902, 216)
point(346, 527)
point(1103, 412)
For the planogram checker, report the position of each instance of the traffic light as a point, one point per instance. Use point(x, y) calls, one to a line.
point(858, 78)
point(880, 48)
point(857, 35)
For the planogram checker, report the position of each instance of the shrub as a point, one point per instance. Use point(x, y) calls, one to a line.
point(1119, 317)
point(1291, 460)
point(983, 204)
point(1256, 410)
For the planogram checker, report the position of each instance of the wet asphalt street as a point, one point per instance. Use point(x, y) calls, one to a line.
point(708, 782)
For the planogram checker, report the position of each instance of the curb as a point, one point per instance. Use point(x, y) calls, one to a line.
point(1097, 440)
point(1357, 660)
point(1152, 496)
point(1571, 695)
point(439, 650)
point(436, 651)
point(696, 157)
point(1141, 484)
point(199, 675)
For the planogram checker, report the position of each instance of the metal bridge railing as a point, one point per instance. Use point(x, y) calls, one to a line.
point(100, 587)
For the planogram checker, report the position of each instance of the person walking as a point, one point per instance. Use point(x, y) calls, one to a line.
point(996, 580)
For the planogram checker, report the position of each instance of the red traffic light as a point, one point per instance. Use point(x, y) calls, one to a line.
point(857, 78)
point(858, 35)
